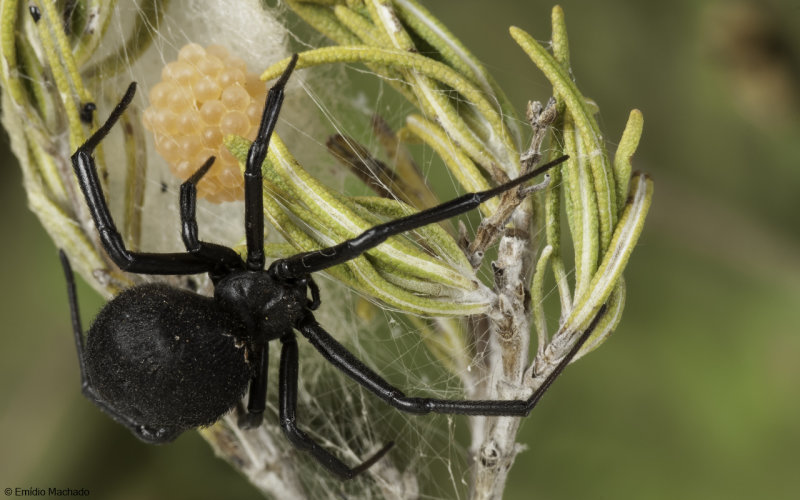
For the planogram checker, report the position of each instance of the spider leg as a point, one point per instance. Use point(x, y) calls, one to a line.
point(288, 410)
point(224, 259)
point(77, 329)
point(309, 262)
point(315, 301)
point(253, 182)
point(87, 389)
point(134, 262)
point(257, 399)
point(342, 359)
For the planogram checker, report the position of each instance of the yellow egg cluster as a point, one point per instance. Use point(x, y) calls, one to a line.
point(202, 97)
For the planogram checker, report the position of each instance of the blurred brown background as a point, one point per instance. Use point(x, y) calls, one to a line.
point(695, 396)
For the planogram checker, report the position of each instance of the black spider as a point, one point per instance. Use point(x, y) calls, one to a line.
point(162, 360)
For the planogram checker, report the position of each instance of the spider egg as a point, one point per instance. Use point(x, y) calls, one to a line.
point(202, 97)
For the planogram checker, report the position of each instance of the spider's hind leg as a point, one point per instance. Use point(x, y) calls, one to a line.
point(134, 262)
point(77, 330)
point(89, 392)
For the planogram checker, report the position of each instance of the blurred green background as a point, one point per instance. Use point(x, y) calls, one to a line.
point(695, 396)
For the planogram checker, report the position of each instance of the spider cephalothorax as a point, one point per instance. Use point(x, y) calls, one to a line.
point(265, 306)
point(162, 360)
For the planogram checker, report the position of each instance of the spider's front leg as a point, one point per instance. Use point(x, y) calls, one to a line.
point(253, 182)
point(342, 359)
point(288, 417)
point(306, 263)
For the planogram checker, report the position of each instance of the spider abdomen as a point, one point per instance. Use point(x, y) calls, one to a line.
point(166, 358)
